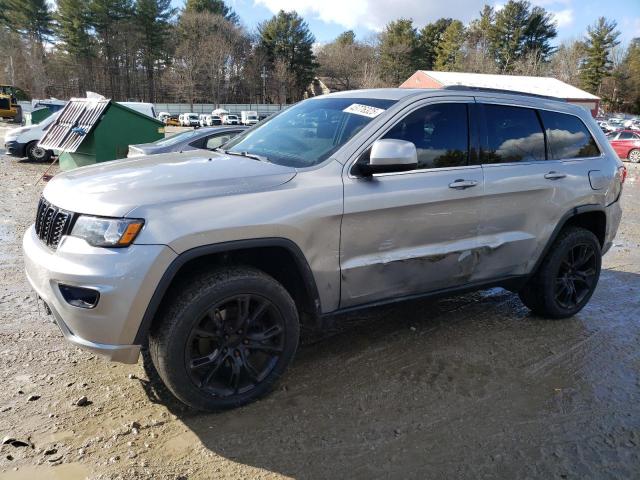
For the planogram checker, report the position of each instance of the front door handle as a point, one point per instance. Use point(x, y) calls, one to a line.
point(461, 184)
point(555, 175)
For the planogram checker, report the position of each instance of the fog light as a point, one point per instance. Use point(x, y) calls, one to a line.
point(79, 296)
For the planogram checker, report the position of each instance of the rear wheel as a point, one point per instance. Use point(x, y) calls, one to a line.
point(567, 277)
point(36, 153)
point(634, 156)
point(225, 338)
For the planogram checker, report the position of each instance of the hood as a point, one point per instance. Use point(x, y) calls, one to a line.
point(14, 133)
point(115, 188)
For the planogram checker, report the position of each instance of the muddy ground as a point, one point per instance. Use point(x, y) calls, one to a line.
point(469, 387)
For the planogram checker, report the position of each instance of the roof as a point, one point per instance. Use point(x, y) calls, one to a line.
point(547, 86)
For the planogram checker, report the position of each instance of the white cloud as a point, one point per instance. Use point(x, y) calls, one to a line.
point(564, 17)
point(375, 14)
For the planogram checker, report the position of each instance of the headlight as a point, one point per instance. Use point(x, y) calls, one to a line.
point(107, 232)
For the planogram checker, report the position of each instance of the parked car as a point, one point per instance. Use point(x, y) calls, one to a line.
point(613, 125)
point(214, 120)
point(202, 119)
point(173, 120)
point(189, 120)
point(248, 117)
point(163, 116)
point(23, 141)
point(626, 143)
point(230, 119)
point(215, 258)
point(207, 138)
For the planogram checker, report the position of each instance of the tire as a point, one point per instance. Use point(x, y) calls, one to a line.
point(567, 277)
point(634, 156)
point(37, 154)
point(224, 338)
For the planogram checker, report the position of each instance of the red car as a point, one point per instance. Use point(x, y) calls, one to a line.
point(626, 143)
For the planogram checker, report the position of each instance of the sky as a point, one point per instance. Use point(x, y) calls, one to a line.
point(328, 18)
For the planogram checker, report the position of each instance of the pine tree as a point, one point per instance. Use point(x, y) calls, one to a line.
point(30, 17)
point(217, 7)
point(399, 51)
point(152, 20)
point(107, 16)
point(429, 39)
point(538, 32)
point(287, 42)
point(519, 31)
point(449, 49)
point(73, 30)
point(601, 38)
point(632, 66)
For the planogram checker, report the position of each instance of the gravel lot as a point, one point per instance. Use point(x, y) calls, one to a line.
point(469, 387)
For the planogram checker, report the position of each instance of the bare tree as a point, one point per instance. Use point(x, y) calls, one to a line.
point(565, 63)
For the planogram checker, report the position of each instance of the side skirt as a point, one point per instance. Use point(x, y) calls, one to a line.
point(512, 283)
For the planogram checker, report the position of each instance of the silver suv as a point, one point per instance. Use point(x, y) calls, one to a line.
point(353, 199)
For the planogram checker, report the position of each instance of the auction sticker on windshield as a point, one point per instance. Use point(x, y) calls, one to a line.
point(364, 110)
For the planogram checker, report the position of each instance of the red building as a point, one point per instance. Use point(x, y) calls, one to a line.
point(548, 86)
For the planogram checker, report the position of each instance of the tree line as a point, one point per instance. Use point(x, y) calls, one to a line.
point(201, 53)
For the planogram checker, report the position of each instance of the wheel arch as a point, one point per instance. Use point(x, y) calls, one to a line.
point(590, 217)
point(279, 257)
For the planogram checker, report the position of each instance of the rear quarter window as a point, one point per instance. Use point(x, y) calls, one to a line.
point(567, 136)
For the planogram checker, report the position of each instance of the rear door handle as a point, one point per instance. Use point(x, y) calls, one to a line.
point(461, 184)
point(555, 175)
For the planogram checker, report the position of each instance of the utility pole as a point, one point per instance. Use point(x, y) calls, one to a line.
point(263, 75)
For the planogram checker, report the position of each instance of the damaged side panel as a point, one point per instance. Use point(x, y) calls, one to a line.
point(409, 233)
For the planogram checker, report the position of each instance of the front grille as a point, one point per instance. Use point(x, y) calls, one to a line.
point(52, 223)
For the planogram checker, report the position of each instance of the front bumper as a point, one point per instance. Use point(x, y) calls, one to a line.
point(126, 279)
point(15, 148)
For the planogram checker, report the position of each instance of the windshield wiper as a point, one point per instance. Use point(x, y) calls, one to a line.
point(254, 156)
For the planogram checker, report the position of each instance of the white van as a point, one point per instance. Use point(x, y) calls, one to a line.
point(189, 120)
point(230, 119)
point(204, 119)
point(248, 117)
point(23, 141)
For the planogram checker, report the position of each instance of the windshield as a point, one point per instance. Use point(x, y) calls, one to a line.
point(177, 138)
point(309, 132)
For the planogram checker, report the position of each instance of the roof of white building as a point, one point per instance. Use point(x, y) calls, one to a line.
point(548, 86)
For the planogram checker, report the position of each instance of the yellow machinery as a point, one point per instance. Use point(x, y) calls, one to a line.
point(9, 108)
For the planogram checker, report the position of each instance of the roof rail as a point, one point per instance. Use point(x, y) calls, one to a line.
point(500, 90)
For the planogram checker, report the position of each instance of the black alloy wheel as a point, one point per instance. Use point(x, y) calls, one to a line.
point(576, 276)
point(235, 345)
point(567, 276)
point(224, 337)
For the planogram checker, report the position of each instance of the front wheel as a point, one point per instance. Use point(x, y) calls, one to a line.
point(634, 156)
point(36, 153)
point(567, 277)
point(225, 338)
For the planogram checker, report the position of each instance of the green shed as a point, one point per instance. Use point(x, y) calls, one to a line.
point(90, 131)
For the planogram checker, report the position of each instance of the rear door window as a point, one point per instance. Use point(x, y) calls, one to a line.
point(567, 136)
point(440, 133)
point(511, 134)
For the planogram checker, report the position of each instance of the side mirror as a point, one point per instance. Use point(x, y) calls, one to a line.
point(390, 155)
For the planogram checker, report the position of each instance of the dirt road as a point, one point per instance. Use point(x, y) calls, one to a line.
point(468, 387)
